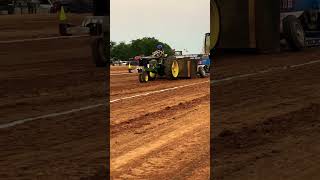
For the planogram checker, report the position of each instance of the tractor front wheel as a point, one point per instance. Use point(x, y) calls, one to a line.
point(143, 77)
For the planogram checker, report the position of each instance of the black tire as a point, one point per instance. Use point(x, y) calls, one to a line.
point(141, 79)
point(202, 72)
point(151, 78)
point(145, 76)
point(294, 32)
point(98, 52)
point(167, 67)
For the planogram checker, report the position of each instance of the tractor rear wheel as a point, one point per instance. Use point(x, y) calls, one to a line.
point(171, 68)
point(294, 32)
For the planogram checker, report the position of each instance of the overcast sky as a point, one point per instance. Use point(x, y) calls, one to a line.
point(180, 23)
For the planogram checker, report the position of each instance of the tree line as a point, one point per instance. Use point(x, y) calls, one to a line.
point(139, 47)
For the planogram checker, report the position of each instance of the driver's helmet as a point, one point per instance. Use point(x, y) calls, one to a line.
point(159, 47)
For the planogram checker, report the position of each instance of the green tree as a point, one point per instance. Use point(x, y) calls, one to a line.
point(148, 45)
point(144, 46)
point(121, 51)
point(111, 46)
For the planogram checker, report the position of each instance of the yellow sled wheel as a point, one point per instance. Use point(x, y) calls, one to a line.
point(175, 69)
point(214, 23)
point(171, 68)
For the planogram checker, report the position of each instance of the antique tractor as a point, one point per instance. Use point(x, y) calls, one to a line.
point(169, 67)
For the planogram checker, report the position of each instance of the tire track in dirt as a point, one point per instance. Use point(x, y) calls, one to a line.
point(72, 147)
point(227, 65)
point(146, 119)
point(42, 77)
point(265, 126)
point(263, 136)
point(136, 107)
point(129, 85)
point(159, 138)
point(149, 134)
point(158, 91)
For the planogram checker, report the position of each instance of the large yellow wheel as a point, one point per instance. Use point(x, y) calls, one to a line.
point(175, 69)
point(171, 68)
point(214, 23)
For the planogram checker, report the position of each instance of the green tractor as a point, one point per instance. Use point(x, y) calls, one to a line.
point(167, 67)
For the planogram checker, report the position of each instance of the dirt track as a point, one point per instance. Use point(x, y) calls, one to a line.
point(161, 135)
point(263, 123)
point(165, 133)
point(266, 126)
point(45, 77)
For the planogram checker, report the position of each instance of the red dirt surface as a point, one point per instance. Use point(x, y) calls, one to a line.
point(44, 77)
point(266, 126)
point(161, 135)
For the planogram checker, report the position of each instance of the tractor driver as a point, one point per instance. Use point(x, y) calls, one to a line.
point(159, 53)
